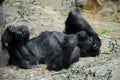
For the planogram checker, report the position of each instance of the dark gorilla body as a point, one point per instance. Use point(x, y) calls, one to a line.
point(55, 49)
point(90, 45)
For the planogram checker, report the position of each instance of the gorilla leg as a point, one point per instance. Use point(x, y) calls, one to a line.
point(22, 57)
point(69, 46)
point(15, 35)
point(20, 32)
point(17, 38)
point(66, 47)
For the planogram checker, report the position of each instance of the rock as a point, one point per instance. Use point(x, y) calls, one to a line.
point(3, 53)
point(118, 6)
point(117, 17)
point(23, 1)
point(109, 9)
point(92, 5)
point(68, 4)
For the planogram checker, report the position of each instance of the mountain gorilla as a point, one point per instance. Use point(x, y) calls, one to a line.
point(75, 23)
point(57, 50)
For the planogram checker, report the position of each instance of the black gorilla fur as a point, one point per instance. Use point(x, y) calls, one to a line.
point(1, 1)
point(57, 50)
point(16, 35)
point(76, 23)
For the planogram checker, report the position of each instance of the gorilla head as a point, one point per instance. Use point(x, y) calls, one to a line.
point(76, 22)
point(89, 41)
point(86, 43)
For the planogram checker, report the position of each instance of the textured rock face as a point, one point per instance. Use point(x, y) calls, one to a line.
point(3, 53)
point(110, 9)
point(92, 5)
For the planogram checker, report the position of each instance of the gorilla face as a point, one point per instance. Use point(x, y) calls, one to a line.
point(56, 63)
point(84, 41)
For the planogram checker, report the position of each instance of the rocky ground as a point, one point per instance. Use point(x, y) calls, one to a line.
point(43, 15)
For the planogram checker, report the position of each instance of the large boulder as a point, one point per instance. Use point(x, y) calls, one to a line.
point(109, 9)
point(92, 5)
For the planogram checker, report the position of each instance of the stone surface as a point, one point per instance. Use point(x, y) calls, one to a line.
point(3, 53)
point(109, 9)
point(92, 5)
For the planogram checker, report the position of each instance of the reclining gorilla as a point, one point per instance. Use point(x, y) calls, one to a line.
point(57, 50)
point(76, 23)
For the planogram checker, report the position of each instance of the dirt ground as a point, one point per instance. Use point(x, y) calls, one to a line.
point(44, 16)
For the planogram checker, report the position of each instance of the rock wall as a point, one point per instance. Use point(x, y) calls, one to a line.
point(108, 9)
point(92, 5)
point(3, 53)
